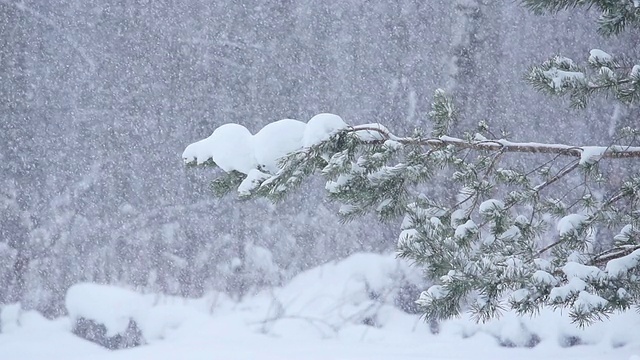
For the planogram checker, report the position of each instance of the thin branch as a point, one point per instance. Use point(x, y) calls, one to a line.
point(614, 253)
point(548, 247)
point(606, 204)
point(557, 177)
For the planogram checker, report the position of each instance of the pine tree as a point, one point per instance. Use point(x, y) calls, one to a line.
point(529, 225)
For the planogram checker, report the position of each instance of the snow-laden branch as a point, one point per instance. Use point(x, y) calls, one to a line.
point(585, 153)
point(499, 229)
point(233, 147)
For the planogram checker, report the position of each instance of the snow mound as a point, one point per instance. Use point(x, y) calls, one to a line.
point(108, 305)
point(9, 317)
point(321, 127)
point(364, 289)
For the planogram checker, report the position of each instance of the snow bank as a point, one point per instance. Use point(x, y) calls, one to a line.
point(9, 317)
point(157, 316)
point(364, 289)
point(345, 309)
point(108, 305)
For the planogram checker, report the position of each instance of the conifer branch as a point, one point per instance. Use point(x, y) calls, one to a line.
point(613, 151)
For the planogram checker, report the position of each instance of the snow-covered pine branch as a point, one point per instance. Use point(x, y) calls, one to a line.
point(511, 236)
point(616, 77)
point(518, 236)
point(615, 16)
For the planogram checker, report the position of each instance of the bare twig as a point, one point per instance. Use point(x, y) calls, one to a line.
point(557, 177)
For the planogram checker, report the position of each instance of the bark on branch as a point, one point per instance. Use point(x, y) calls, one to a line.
point(611, 151)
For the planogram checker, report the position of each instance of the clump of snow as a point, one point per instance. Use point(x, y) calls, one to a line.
point(588, 302)
point(230, 147)
point(253, 180)
point(113, 307)
point(338, 185)
point(543, 277)
point(466, 229)
point(490, 207)
point(570, 224)
point(321, 127)
point(512, 233)
point(275, 140)
point(457, 217)
point(591, 154)
point(625, 234)
point(393, 144)
point(407, 237)
point(434, 292)
point(597, 56)
point(519, 295)
point(574, 269)
point(560, 78)
point(618, 267)
point(573, 286)
point(542, 264)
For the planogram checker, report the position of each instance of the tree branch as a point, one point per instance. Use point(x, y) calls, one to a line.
point(614, 253)
point(557, 177)
point(614, 151)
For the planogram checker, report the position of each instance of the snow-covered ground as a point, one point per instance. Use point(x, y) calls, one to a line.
point(344, 310)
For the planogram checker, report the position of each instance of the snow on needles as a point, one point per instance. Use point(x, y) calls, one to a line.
point(561, 78)
point(591, 154)
point(233, 147)
point(597, 56)
point(570, 224)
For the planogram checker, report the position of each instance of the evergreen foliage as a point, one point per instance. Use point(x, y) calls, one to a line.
point(530, 223)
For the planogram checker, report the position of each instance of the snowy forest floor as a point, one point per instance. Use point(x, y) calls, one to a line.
point(342, 310)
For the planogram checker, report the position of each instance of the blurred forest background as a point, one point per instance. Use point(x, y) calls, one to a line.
point(99, 98)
